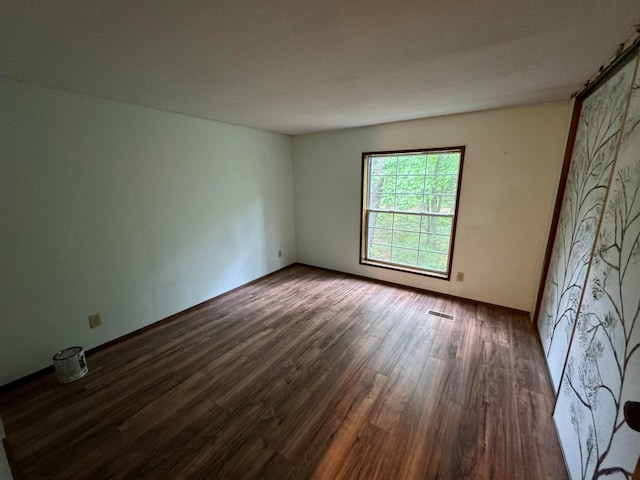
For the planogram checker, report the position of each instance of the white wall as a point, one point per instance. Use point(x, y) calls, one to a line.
point(509, 183)
point(556, 182)
point(130, 212)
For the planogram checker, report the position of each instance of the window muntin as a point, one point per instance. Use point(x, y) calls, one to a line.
point(409, 210)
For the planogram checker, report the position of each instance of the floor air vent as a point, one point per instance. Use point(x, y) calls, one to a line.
point(440, 314)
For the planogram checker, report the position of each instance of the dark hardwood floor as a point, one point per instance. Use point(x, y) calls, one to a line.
point(304, 374)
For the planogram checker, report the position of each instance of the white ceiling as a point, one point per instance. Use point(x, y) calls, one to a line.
point(298, 66)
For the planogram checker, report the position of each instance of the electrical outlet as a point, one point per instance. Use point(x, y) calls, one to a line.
point(94, 320)
point(460, 277)
point(279, 253)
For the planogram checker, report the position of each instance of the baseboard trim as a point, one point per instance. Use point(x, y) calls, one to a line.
point(182, 313)
point(32, 376)
point(418, 289)
point(548, 370)
point(26, 379)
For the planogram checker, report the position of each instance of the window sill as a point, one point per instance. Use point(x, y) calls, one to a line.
point(406, 269)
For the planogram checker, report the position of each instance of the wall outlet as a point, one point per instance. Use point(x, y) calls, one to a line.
point(460, 277)
point(95, 320)
point(279, 253)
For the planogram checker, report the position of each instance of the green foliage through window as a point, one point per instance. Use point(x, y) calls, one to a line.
point(410, 207)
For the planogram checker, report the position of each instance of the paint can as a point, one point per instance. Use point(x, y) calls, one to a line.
point(70, 364)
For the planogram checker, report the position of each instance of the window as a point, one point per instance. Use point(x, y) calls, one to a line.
point(409, 209)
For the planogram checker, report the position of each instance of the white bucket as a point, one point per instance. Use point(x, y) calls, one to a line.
point(70, 364)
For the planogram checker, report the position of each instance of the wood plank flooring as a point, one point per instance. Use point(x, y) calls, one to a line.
point(304, 374)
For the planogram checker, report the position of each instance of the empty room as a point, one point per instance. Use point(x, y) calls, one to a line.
point(384, 240)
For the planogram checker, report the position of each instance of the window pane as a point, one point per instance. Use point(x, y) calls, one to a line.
point(434, 243)
point(447, 204)
point(433, 204)
point(445, 183)
point(404, 256)
point(381, 220)
point(412, 164)
point(440, 225)
point(406, 239)
point(440, 203)
point(384, 165)
point(380, 235)
point(441, 182)
point(410, 184)
point(387, 201)
point(383, 183)
point(433, 261)
point(406, 222)
point(382, 191)
point(409, 203)
point(439, 163)
point(380, 252)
